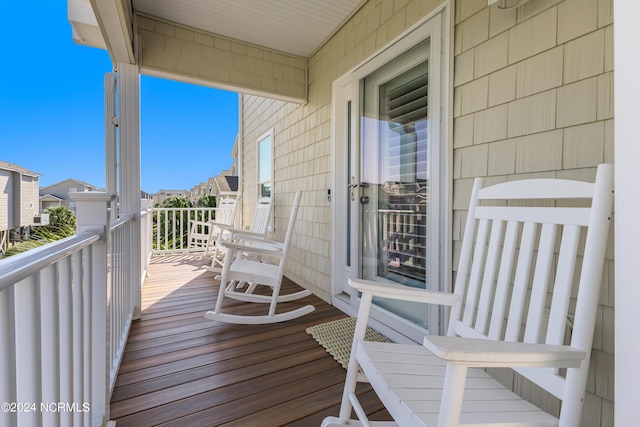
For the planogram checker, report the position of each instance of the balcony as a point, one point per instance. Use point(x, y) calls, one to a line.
point(90, 341)
point(181, 369)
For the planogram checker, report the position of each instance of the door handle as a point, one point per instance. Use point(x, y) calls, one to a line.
point(353, 186)
point(364, 199)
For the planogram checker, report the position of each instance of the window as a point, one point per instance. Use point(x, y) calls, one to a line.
point(264, 164)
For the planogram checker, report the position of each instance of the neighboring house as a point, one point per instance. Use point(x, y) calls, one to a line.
point(50, 201)
point(18, 199)
point(504, 94)
point(225, 186)
point(58, 194)
point(162, 195)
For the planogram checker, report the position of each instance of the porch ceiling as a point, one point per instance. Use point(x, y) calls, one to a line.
point(290, 26)
point(257, 47)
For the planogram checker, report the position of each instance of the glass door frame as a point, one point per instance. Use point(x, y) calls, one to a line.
point(347, 91)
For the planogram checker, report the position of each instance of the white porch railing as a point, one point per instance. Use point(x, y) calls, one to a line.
point(171, 227)
point(47, 323)
point(146, 236)
point(65, 312)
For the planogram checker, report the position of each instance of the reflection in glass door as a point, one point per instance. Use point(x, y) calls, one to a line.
point(395, 172)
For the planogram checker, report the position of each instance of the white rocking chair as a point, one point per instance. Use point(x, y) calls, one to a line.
point(523, 272)
point(257, 262)
point(203, 234)
point(229, 234)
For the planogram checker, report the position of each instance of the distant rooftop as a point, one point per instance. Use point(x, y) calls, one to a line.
point(227, 183)
point(15, 168)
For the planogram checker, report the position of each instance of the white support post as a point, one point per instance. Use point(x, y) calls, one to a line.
point(129, 130)
point(110, 127)
point(92, 214)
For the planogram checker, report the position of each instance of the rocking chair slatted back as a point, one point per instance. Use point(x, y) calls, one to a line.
point(262, 216)
point(226, 211)
point(526, 273)
point(525, 297)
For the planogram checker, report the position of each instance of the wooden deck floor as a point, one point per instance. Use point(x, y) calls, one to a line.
point(184, 370)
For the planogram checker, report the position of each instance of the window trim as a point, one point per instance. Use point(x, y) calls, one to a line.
point(269, 134)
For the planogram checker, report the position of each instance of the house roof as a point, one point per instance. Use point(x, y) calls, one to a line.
point(50, 198)
point(15, 168)
point(70, 180)
point(227, 183)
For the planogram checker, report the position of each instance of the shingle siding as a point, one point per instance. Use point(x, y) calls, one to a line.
point(558, 88)
point(532, 97)
point(6, 194)
point(228, 63)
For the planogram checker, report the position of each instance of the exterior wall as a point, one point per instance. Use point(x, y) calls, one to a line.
point(302, 138)
point(533, 97)
point(29, 200)
point(162, 195)
point(62, 189)
point(228, 64)
point(17, 212)
point(46, 204)
point(6, 200)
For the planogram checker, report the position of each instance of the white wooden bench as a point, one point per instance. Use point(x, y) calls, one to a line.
point(525, 269)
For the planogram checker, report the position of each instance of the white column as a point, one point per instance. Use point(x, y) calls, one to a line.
point(92, 214)
point(627, 205)
point(129, 128)
point(110, 140)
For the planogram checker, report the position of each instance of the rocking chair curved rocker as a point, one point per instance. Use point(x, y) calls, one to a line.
point(250, 262)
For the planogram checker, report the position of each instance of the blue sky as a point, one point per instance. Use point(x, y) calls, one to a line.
point(52, 108)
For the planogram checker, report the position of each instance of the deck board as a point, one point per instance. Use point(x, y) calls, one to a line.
point(184, 370)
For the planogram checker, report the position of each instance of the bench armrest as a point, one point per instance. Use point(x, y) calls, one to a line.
point(486, 353)
point(398, 292)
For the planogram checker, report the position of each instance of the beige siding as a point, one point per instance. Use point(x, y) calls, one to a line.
point(223, 62)
point(553, 97)
point(29, 200)
point(6, 202)
point(532, 97)
point(302, 140)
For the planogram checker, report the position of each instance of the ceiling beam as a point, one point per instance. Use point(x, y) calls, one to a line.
point(114, 20)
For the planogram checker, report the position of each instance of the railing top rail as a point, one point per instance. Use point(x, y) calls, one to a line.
point(185, 209)
point(23, 265)
point(121, 221)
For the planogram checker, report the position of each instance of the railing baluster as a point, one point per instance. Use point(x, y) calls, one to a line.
point(8, 356)
point(64, 278)
point(27, 344)
point(50, 342)
point(172, 228)
point(87, 296)
point(78, 327)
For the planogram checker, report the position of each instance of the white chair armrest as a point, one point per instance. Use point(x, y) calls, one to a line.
point(193, 221)
point(269, 248)
point(399, 292)
point(245, 234)
point(486, 353)
point(219, 225)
